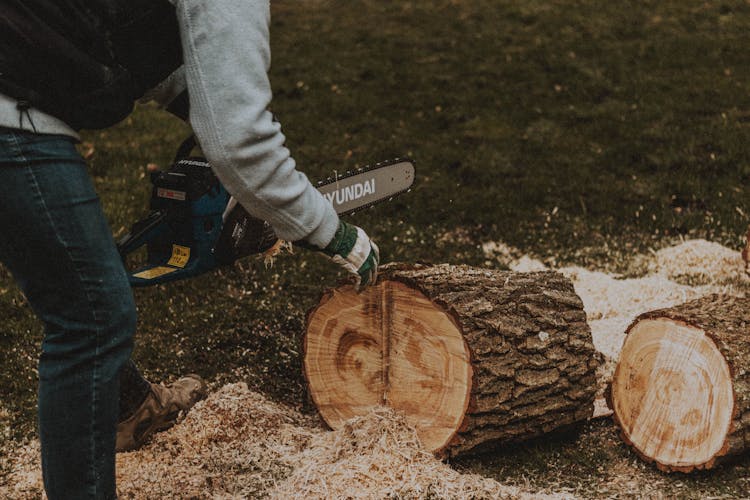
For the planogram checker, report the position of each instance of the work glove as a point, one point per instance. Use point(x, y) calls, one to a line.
point(353, 250)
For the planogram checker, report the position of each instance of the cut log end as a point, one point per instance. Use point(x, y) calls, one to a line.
point(672, 394)
point(389, 345)
point(471, 357)
point(680, 390)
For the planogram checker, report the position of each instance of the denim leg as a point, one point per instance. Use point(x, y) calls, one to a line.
point(134, 389)
point(57, 244)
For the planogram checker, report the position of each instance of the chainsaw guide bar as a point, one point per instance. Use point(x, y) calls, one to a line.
point(362, 188)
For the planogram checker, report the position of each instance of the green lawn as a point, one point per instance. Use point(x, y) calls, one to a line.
point(582, 131)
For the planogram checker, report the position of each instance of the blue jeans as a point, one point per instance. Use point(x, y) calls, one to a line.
point(56, 242)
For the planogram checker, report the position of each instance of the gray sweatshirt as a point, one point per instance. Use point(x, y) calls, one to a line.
point(227, 55)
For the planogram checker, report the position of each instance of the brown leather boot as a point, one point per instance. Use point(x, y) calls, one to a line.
point(159, 411)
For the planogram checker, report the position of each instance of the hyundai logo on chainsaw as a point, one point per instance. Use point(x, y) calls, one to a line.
point(351, 193)
point(171, 194)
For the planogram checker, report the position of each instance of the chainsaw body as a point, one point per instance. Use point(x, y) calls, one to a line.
point(184, 224)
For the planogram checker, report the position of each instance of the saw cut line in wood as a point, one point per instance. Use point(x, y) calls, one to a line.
point(469, 356)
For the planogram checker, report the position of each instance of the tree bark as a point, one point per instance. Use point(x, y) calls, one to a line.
point(471, 356)
point(681, 390)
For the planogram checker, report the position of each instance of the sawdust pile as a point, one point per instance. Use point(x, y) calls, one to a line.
point(234, 444)
point(237, 444)
point(24, 481)
point(379, 456)
point(699, 262)
point(612, 303)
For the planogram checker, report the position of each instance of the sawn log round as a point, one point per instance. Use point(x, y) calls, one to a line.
point(471, 356)
point(681, 390)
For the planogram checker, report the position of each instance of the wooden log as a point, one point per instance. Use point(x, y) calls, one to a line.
point(681, 389)
point(471, 356)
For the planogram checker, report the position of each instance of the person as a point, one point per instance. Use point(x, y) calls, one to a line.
point(67, 65)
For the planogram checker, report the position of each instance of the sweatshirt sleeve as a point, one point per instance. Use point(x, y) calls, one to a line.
point(226, 51)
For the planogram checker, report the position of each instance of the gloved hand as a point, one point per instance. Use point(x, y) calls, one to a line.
point(352, 249)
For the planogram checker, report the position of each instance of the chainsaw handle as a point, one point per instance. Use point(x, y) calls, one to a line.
point(142, 231)
point(185, 148)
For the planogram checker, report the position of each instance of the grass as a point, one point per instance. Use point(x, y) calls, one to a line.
point(591, 462)
point(581, 131)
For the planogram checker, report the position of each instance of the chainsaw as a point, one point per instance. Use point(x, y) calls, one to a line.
point(194, 225)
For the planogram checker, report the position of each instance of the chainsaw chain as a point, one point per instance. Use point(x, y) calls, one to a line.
point(362, 170)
